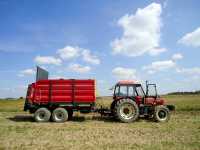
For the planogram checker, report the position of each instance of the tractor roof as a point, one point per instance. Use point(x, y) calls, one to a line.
point(128, 82)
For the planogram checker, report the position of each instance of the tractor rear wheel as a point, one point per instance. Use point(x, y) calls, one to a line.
point(42, 115)
point(60, 115)
point(161, 114)
point(126, 110)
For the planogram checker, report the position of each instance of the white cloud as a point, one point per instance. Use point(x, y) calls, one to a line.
point(124, 73)
point(159, 66)
point(177, 56)
point(26, 72)
point(163, 65)
point(79, 68)
point(157, 51)
point(141, 32)
point(69, 52)
point(49, 60)
point(88, 57)
point(189, 71)
point(191, 39)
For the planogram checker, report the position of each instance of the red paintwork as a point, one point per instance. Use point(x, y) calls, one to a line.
point(153, 101)
point(147, 101)
point(127, 82)
point(138, 100)
point(62, 91)
point(160, 101)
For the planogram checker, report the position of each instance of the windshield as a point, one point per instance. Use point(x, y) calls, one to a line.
point(121, 91)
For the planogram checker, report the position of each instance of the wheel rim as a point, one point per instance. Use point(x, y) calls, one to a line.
point(41, 116)
point(59, 116)
point(162, 115)
point(127, 111)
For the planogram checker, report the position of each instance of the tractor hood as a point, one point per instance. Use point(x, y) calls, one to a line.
point(160, 101)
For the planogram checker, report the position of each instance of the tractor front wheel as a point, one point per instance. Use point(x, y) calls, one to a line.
point(126, 110)
point(161, 114)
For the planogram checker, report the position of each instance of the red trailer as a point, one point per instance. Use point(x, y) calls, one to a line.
point(70, 94)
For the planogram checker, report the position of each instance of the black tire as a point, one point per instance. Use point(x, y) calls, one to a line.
point(59, 115)
point(42, 115)
point(161, 114)
point(126, 110)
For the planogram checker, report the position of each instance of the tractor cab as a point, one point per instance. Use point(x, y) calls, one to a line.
point(134, 90)
point(128, 89)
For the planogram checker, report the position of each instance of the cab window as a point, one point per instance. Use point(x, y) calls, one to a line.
point(117, 91)
point(140, 91)
point(123, 91)
point(131, 91)
point(152, 90)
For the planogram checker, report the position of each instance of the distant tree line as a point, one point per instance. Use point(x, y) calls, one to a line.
point(184, 93)
point(11, 98)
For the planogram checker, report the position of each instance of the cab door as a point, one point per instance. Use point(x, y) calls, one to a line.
point(151, 95)
point(140, 95)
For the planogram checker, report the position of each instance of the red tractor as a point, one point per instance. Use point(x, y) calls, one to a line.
point(131, 102)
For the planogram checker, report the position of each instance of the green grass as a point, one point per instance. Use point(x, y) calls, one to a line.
point(16, 105)
point(184, 102)
point(182, 132)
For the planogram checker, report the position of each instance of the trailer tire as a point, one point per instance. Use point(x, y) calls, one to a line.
point(161, 114)
point(42, 115)
point(126, 110)
point(59, 115)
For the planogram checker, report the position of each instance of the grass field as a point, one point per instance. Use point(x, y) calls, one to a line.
point(182, 132)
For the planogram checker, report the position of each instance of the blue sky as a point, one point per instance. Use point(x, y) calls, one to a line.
point(105, 40)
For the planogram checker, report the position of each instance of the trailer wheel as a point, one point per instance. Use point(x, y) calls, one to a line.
point(126, 110)
point(42, 115)
point(161, 114)
point(59, 115)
